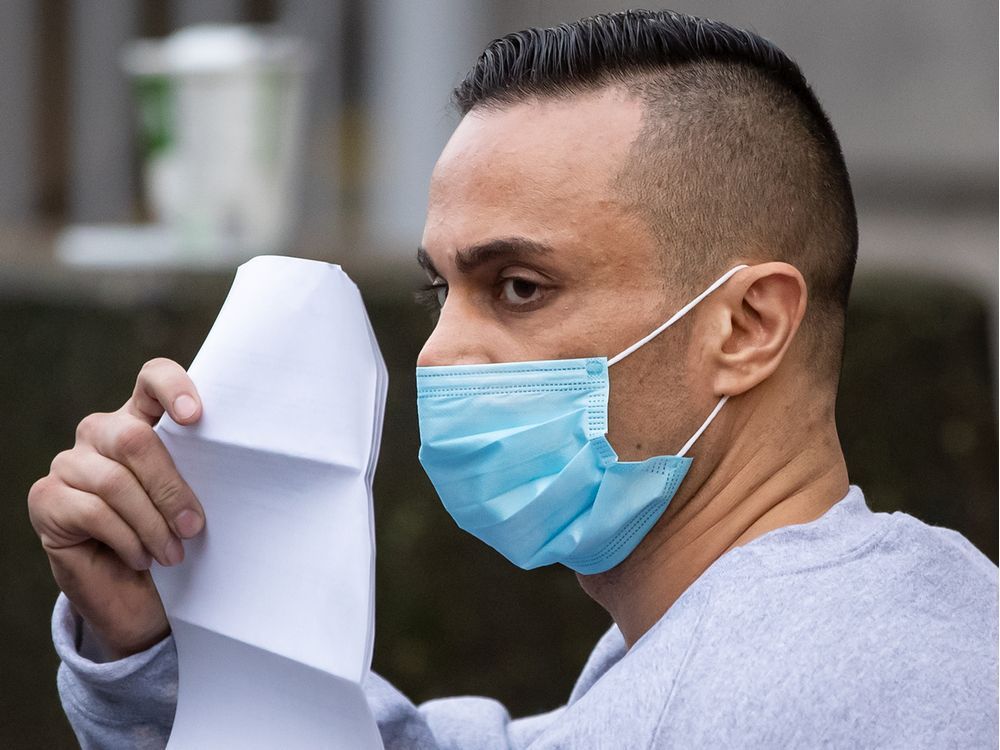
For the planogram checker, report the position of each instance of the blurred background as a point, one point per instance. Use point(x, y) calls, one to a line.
point(326, 130)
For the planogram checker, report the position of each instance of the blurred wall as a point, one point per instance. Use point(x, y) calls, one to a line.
point(18, 60)
point(911, 87)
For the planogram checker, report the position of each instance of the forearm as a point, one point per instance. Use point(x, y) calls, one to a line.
point(130, 702)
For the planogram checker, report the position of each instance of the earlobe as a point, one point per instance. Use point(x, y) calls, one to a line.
point(763, 314)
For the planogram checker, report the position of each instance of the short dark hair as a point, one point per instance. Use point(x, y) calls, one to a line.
point(736, 157)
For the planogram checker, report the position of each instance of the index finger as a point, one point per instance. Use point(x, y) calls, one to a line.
point(137, 447)
point(163, 385)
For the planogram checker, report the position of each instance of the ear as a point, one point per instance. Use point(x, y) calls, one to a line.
point(755, 321)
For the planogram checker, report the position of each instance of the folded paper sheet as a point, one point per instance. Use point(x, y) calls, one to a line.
point(272, 608)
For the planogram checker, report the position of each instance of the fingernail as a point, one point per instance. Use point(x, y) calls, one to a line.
point(173, 552)
point(185, 407)
point(187, 523)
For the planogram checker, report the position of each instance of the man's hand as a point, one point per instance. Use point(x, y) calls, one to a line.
point(115, 502)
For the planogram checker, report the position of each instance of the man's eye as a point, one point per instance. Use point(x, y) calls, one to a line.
point(433, 295)
point(516, 291)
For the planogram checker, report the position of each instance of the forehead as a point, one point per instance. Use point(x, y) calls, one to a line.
point(539, 169)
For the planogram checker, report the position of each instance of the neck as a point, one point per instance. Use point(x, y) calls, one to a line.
point(749, 492)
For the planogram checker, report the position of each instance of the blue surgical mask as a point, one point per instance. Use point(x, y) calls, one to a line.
point(518, 454)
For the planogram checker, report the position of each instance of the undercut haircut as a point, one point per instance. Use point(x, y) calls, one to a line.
point(735, 157)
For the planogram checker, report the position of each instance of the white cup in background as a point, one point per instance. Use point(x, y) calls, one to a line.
point(221, 121)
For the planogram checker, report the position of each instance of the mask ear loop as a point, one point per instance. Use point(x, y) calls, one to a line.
point(677, 315)
point(704, 426)
point(673, 319)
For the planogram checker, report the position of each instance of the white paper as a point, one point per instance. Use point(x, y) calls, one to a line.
point(273, 609)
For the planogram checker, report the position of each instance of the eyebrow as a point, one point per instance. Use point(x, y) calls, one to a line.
point(468, 259)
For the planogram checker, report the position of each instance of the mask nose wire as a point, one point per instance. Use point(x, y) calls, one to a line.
point(677, 316)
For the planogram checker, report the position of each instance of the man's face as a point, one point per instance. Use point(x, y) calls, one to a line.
point(542, 260)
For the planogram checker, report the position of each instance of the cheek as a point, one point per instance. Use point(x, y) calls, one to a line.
point(647, 407)
point(578, 331)
point(629, 413)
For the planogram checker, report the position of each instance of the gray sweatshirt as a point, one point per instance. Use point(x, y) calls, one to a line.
point(857, 630)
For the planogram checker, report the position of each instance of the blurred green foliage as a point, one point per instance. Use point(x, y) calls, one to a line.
point(917, 418)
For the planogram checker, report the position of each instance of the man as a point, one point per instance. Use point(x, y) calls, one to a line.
point(604, 174)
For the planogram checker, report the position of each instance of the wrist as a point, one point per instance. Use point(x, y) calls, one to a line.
point(100, 647)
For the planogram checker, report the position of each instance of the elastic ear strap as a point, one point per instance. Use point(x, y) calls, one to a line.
point(677, 315)
point(704, 426)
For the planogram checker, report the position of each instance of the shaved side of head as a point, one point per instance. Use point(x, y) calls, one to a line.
point(730, 165)
point(735, 160)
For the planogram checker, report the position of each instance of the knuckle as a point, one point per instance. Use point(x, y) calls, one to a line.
point(91, 512)
point(113, 481)
point(60, 462)
point(38, 487)
point(133, 439)
point(152, 530)
point(153, 364)
point(37, 494)
point(153, 367)
point(170, 496)
point(88, 426)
